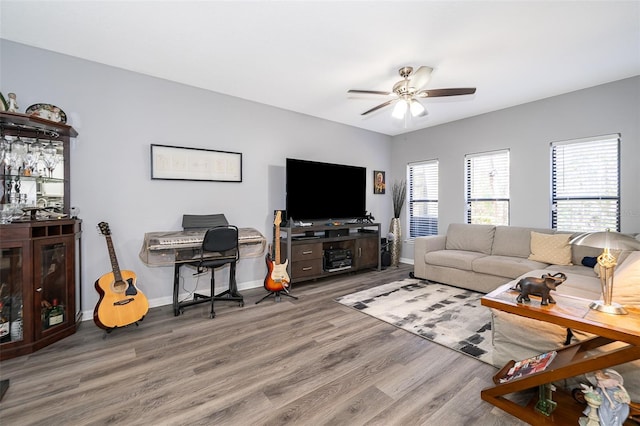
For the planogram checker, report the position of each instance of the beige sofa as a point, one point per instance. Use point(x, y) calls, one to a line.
point(485, 257)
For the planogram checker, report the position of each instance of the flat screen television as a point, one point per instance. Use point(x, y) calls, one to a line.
point(318, 190)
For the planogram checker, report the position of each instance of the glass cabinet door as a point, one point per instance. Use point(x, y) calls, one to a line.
point(12, 279)
point(51, 278)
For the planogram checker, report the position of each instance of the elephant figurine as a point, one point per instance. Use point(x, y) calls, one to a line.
point(539, 287)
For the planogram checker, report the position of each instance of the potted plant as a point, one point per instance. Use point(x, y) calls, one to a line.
point(398, 194)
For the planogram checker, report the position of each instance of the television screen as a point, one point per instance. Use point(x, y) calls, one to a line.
point(325, 191)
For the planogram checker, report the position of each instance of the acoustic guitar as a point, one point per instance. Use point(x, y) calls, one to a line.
point(121, 303)
point(277, 278)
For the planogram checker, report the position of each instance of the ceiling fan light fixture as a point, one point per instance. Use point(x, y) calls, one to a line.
point(400, 109)
point(417, 110)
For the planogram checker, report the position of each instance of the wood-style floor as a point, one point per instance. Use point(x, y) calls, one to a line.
point(310, 361)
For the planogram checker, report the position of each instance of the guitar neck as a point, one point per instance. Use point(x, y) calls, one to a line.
point(276, 242)
point(114, 260)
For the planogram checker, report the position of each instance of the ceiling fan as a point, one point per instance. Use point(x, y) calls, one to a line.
point(409, 90)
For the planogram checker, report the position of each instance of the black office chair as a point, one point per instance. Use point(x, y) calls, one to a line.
point(224, 241)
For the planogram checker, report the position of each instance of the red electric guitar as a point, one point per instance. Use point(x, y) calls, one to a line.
point(277, 278)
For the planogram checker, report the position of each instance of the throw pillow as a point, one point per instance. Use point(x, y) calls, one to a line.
point(626, 281)
point(554, 249)
point(590, 261)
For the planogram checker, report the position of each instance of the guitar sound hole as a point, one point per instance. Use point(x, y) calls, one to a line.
point(119, 287)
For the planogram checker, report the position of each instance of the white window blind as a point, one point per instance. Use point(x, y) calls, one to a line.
point(585, 180)
point(423, 198)
point(487, 178)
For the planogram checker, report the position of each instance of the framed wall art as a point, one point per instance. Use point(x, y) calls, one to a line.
point(180, 163)
point(378, 182)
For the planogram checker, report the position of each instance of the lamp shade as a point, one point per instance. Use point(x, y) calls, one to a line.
point(607, 239)
point(417, 110)
point(400, 109)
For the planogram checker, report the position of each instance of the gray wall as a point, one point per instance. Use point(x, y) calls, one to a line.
point(527, 130)
point(118, 114)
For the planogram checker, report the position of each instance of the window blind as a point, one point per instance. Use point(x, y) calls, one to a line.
point(487, 180)
point(423, 198)
point(585, 180)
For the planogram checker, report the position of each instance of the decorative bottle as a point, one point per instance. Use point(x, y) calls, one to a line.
point(16, 326)
point(56, 315)
point(4, 323)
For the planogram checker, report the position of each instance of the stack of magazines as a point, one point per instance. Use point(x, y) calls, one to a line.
point(528, 366)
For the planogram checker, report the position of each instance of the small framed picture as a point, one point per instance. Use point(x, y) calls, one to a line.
point(378, 182)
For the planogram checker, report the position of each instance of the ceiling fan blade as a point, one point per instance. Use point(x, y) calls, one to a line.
point(368, 92)
point(435, 93)
point(421, 77)
point(382, 105)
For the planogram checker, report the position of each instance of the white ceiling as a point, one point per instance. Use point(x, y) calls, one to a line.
point(304, 56)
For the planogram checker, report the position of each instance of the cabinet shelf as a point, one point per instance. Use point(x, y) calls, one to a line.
point(39, 179)
point(33, 126)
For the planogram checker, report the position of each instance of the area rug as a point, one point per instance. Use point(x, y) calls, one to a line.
point(446, 315)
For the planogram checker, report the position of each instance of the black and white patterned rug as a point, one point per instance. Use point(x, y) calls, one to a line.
point(450, 316)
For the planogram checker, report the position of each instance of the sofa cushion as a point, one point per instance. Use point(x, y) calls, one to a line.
point(580, 252)
point(458, 259)
point(514, 240)
point(505, 266)
point(573, 269)
point(626, 281)
point(554, 249)
point(468, 237)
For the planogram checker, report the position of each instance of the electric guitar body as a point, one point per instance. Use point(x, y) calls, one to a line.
point(121, 303)
point(277, 278)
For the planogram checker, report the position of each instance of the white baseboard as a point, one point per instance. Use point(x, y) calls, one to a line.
point(168, 300)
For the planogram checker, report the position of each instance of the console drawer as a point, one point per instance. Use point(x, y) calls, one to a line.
point(306, 268)
point(306, 251)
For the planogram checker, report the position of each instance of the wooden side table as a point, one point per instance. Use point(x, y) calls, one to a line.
point(571, 360)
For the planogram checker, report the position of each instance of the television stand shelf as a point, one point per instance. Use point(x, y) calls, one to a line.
point(305, 246)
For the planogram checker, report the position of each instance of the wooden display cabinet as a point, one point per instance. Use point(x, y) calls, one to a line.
point(39, 255)
point(40, 287)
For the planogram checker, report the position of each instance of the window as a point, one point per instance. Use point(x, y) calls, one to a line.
point(585, 184)
point(423, 198)
point(488, 187)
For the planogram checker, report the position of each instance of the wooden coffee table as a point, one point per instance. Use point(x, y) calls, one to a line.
point(571, 360)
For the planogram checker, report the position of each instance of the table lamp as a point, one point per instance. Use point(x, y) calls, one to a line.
point(608, 241)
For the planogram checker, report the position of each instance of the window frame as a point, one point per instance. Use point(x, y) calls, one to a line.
point(412, 201)
point(595, 140)
point(469, 199)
